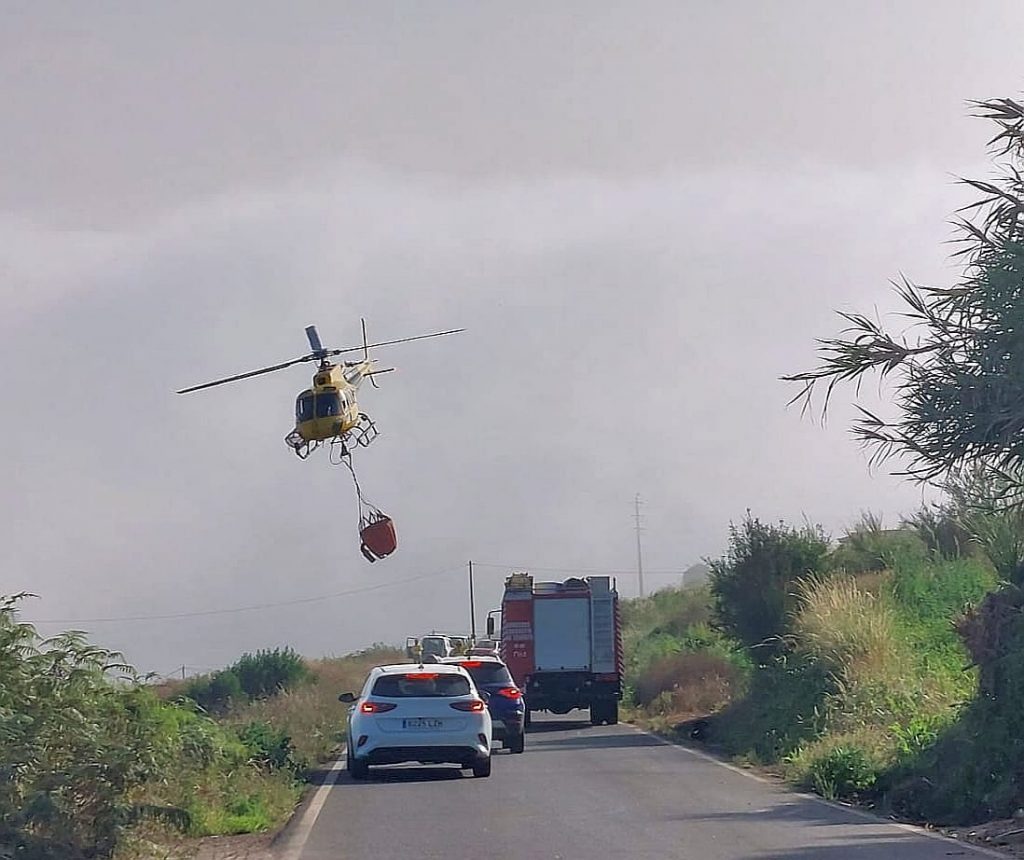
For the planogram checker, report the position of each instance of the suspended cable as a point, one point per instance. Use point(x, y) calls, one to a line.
point(254, 608)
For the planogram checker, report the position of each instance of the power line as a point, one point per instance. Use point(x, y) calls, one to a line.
point(639, 552)
point(256, 607)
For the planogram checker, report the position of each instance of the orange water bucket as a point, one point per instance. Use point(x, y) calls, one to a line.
point(378, 539)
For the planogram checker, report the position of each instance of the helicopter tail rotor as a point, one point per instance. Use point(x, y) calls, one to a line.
point(366, 357)
point(366, 351)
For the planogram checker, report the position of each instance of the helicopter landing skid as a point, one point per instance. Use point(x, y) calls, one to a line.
point(365, 431)
point(300, 446)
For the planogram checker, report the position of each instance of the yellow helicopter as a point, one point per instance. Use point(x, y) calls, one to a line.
point(328, 411)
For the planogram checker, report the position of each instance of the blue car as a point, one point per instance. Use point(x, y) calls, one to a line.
point(504, 698)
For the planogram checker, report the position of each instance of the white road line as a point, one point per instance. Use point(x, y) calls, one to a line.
point(300, 834)
point(853, 810)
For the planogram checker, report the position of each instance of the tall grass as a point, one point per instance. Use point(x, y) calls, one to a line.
point(310, 714)
point(849, 629)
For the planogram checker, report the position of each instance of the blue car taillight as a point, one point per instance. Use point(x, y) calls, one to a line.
point(511, 692)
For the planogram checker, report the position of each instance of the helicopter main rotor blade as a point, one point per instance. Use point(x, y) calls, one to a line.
point(314, 339)
point(392, 342)
point(239, 376)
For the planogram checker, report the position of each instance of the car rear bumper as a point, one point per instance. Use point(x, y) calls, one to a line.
point(507, 726)
point(463, 755)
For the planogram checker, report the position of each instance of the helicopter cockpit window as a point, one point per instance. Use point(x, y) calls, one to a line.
point(328, 403)
point(304, 408)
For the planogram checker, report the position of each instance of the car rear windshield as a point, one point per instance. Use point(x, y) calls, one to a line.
point(488, 673)
point(434, 646)
point(421, 684)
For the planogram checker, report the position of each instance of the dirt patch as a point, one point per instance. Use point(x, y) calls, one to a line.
point(254, 846)
point(251, 846)
point(1005, 835)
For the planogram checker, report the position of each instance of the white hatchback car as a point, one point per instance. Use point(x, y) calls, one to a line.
point(429, 714)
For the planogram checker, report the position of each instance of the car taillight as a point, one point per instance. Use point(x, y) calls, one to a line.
point(511, 692)
point(474, 705)
point(376, 707)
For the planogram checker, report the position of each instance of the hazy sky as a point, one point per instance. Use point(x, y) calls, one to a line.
point(643, 214)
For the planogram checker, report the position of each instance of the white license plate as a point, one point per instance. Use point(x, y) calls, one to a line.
point(421, 723)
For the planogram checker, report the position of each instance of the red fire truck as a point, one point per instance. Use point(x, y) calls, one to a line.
point(562, 642)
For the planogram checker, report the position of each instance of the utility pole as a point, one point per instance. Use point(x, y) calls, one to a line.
point(639, 551)
point(472, 605)
point(182, 673)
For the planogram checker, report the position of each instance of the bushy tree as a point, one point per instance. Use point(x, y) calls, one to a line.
point(754, 583)
point(958, 373)
point(73, 744)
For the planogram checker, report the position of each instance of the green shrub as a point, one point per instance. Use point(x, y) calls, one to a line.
point(917, 735)
point(269, 672)
point(844, 772)
point(253, 676)
point(929, 599)
point(784, 707)
point(868, 547)
point(753, 584)
point(267, 745)
point(215, 693)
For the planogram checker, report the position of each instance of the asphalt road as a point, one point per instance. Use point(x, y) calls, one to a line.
point(584, 793)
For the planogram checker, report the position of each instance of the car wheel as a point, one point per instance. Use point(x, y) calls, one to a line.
point(596, 714)
point(516, 742)
point(482, 767)
point(357, 769)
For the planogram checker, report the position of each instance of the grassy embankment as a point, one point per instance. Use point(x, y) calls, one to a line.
point(851, 669)
point(95, 763)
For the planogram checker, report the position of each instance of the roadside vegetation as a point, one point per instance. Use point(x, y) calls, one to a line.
point(841, 665)
point(888, 667)
point(96, 763)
